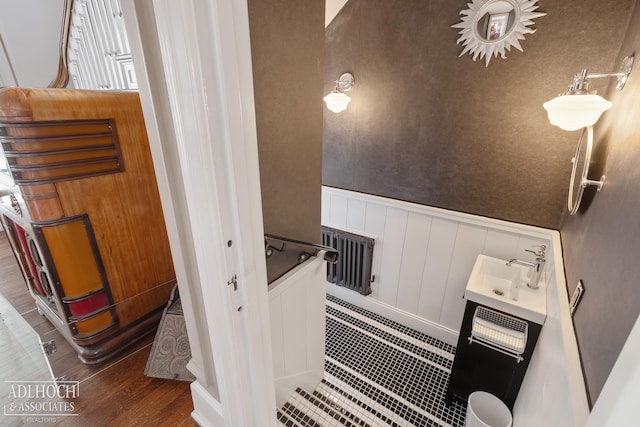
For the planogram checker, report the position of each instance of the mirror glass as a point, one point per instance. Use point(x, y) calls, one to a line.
point(496, 22)
point(489, 28)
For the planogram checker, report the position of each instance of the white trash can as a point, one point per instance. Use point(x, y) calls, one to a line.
point(486, 410)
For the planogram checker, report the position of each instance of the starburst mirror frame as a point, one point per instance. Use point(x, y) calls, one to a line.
point(522, 14)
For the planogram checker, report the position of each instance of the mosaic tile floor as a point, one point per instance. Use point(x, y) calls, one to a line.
point(377, 373)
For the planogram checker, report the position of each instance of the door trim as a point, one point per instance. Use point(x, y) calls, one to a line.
point(193, 66)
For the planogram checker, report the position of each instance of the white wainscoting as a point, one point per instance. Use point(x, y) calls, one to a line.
point(297, 311)
point(423, 257)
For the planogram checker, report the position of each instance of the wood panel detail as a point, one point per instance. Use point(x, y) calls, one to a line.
point(77, 271)
point(77, 266)
point(42, 152)
point(42, 201)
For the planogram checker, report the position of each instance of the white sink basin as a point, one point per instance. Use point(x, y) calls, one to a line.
point(503, 287)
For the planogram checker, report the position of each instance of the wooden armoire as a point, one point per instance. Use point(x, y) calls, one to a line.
point(81, 209)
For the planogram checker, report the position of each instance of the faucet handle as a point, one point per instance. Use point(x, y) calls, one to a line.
point(540, 253)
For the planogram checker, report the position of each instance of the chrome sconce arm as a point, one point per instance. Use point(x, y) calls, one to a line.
point(622, 75)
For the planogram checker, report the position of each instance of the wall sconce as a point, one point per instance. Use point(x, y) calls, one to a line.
point(580, 108)
point(337, 100)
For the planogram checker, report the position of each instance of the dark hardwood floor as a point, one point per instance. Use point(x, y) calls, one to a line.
point(112, 393)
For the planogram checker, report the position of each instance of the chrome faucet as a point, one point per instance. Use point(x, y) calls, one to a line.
point(536, 267)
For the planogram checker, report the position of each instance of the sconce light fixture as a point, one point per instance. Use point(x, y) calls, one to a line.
point(337, 100)
point(580, 108)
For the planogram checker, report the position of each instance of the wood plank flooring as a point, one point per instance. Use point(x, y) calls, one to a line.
point(112, 393)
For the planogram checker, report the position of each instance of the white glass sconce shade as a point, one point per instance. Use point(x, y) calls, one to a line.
point(337, 101)
point(573, 112)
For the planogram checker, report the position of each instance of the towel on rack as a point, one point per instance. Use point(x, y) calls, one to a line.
point(499, 335)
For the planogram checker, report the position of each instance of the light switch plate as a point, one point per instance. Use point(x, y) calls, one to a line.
point(575, 298)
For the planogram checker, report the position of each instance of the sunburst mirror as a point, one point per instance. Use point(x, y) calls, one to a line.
point(490, 27)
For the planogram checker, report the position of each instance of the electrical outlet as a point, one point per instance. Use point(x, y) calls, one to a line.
point(575, 298)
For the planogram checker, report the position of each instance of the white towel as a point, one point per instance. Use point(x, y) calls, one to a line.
point(504, 337)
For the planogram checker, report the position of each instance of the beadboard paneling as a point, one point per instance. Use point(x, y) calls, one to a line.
point(293, 325)
point(423, 256)
point(469, 242)
point(436, 268)
point(375, 219)
point(501, 244)
point(356, 215)
point(392, 247)
point(277, 336)
point(297, 313)
point(411, 273)
point(338, 213)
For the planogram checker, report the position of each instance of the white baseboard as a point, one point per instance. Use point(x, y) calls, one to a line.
point(392, 313)
point(207, 410)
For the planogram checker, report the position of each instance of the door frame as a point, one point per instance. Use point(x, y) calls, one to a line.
point(193, 66)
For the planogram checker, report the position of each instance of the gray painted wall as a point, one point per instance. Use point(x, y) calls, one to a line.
point(602, 242)
point(429, 127)
point(287, 43)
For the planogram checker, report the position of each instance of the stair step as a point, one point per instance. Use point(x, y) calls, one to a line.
point(286, 420)
point(333, 410)
point(318, 410)
point(366, 408)
point(300, 415)
point(377, 374)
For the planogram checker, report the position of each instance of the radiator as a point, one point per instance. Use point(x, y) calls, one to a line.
point(353, 269)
